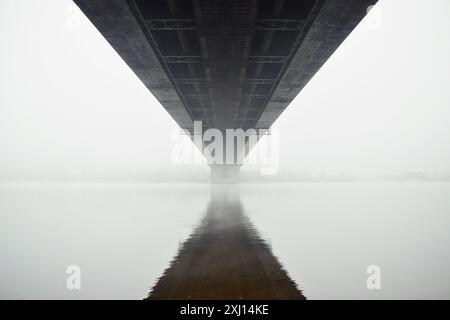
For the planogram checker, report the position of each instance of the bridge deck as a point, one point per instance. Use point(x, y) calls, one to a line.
point(229, 63)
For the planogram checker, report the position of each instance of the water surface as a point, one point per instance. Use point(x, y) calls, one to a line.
point(313, 239)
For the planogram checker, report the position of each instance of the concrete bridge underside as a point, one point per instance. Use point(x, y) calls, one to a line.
point(229, 63)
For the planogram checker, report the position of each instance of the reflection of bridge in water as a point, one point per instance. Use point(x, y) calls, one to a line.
point(225, 258)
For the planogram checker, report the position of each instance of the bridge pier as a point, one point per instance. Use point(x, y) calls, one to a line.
point(225, 173)
point(243, 88)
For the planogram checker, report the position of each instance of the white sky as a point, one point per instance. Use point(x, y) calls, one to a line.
point(70, 106)
point(381, 104)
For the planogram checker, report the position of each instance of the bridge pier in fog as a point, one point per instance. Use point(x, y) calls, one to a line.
point(202, 63)
point(225, 173)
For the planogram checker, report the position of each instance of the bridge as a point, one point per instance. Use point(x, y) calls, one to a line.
point(228, 63)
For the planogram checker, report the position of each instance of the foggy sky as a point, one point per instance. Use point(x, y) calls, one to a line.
point(70, 106)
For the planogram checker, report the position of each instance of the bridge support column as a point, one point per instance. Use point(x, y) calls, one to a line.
point(225, 173)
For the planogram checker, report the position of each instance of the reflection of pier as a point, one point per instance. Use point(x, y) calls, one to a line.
point(225, 258)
